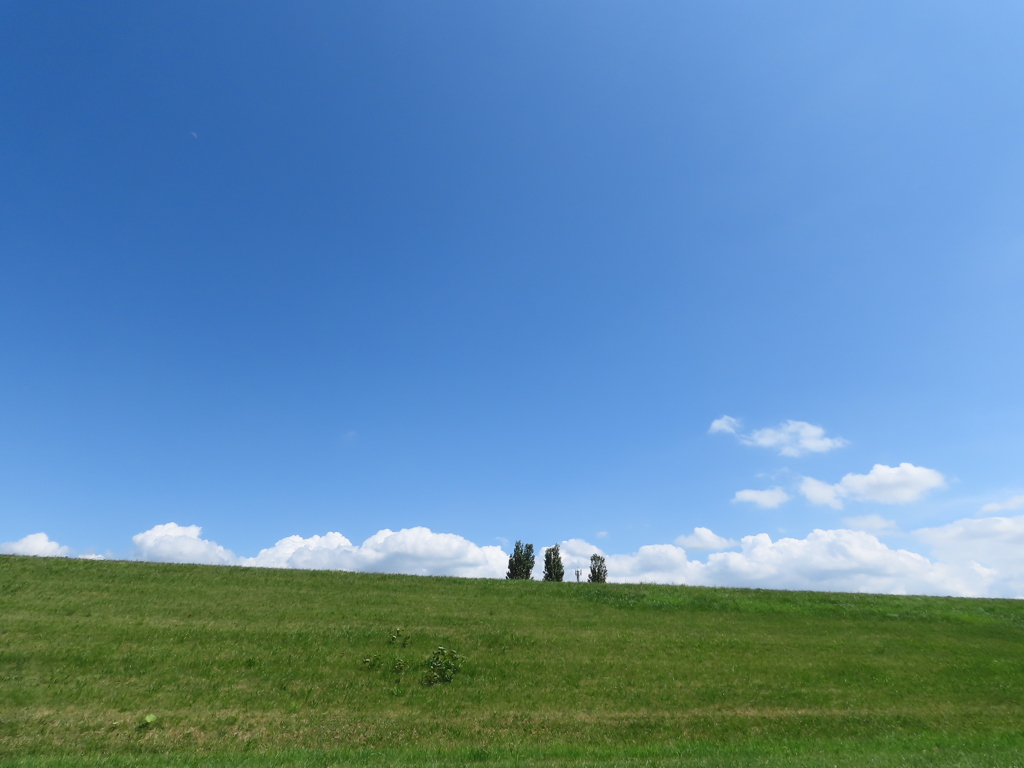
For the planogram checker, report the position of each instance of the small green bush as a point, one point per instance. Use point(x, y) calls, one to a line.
point(442, 666)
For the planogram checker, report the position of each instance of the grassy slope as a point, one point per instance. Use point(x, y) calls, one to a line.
point(243, 665)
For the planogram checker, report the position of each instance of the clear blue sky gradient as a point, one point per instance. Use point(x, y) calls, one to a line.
point(493, 268)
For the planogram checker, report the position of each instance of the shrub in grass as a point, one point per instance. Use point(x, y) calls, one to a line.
point(520, 562)
point(598, 570)
point(442, 666)
point(553, 568)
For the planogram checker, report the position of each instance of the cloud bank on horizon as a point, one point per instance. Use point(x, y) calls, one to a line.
point(35, 544)
point(971, 557)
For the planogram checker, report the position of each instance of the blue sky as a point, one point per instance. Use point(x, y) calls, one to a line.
point(493, 270)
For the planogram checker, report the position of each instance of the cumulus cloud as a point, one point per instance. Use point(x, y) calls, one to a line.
point(1014, 502)
point(826, 560)
point(892, 485)
point(417, 551)
point(576, 553)
point(173, 543)
point(36, 545)
point(870, 523)
point(817, 492)
point(298, 552)
point(990, 546)
point(658, 563)
point(834, 560)
point(794, 438)
point(767, 499)
point(704, 538)
point(790, 438)
point(883, 484)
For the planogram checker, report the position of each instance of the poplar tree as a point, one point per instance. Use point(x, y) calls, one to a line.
point(598, 570)
point(520, 562)
point(553, 569)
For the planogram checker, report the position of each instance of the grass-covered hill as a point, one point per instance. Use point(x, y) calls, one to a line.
point(119, 663)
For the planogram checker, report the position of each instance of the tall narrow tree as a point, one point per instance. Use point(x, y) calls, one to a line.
point(553, 568)
point(520, 562)
point(598, 570)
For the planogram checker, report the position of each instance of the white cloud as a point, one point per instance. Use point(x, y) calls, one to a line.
point(834, 561)
point(817, 492)
point(991, 546)
point(724, 424)
point(767, 499)
point(892, 485)
point(35, 544)
point(1014, 502)
point(173, 543)
point(296, 552)
point(704, 538)
point(790, 438)
point(871, 523)
point(576, 553)
point(421, 551)
point(416, 551)
point(794, 438)
point(829, 560)
point(883, 484)
point(658, 563)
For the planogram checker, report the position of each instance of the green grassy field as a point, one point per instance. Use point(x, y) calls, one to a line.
point(268, 668)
